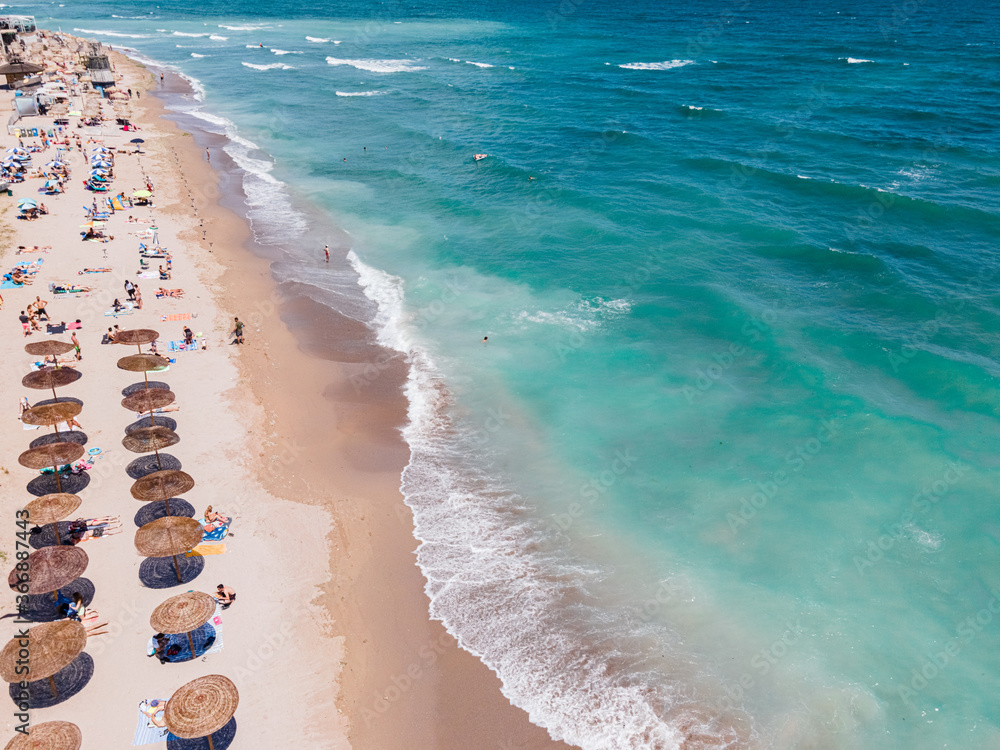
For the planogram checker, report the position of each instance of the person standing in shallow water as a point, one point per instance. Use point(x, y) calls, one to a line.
point(238, 331)
point(326, 252)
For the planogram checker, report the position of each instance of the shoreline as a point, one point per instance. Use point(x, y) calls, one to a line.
point(405, 680)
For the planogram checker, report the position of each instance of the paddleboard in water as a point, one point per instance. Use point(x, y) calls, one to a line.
point(479, 157)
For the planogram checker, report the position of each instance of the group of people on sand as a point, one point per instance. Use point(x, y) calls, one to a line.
point(32, 316)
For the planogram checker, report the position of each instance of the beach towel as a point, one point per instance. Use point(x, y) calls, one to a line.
point(213, 532)
point(180, 346)
point(206, 550)
point(147, 735)
point(149, 275)
point(94, 270)
point(175, 316)
point(5, 284)
point(113, 314)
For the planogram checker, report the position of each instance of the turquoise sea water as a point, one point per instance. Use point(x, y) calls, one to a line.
point(725, 473)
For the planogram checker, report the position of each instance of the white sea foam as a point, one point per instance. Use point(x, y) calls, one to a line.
point(285, 52)
point(116, 34)
point(480, 65)
point(254, 46)
point(585, 315)
point(195, 54)
point(856, 60)
point(358, 93)
point(378, 66)
point(316, 40)
point(196, 85)
point(244, 28)
point(692, 107)
point(191, 34)
point(217, 38)
point(272, 66)
point(666, 65)
point(504, 598)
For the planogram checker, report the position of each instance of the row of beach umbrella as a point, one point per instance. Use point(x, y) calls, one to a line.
point(202, 706)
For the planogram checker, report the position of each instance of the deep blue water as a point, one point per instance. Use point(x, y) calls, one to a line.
point(726, 468)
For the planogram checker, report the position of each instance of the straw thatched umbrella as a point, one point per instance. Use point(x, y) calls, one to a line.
point(49, 569)
point(50, 509)
point(154, 439)
point(144, 363)
point(162, 485)
point(137, 336)
point(202, 707)
point(148, 399)
point(51, 647)
point(50, 377)
point(51, 455)
point(48, 348)
point(182, 614)
point(51, 415)
point(168, 537)
point(52, 735)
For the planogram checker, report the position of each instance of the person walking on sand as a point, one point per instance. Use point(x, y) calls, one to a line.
point(138, 299)
point(130, 289)
point(326, 252)
point(208, 155)
point(25, 323)
point(76, 345)
point(238, 331)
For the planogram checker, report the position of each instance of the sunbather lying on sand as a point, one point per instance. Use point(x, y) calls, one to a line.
point(35, 249)
point(161, 410)
point(161, 292)
point(154, 710)
point(95, 270)
point(68, 288)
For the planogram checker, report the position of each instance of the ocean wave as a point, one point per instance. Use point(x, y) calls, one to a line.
point(244, 28)
point(666, 65)
point(190, 34)
point(378, 66)
point(217, 38)
point(479, 65)
point(693, 108)
point(195, 54)
point(856, 60)
point(285, 52)
point(316, 40)
point(505, 599)
point(254, 46)
point(272, 66)
point(117, 34)
point(585, 315)
point(196, 86)
point(358, 93)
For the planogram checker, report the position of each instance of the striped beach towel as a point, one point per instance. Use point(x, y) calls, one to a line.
point(175, 316)
point(147, 735)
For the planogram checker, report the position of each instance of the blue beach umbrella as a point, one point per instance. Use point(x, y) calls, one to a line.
point(26, 204)
point(52, 184)
point(16, 150)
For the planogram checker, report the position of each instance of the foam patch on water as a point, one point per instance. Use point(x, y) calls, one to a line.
point(358, 93)
point(856, 60)
point(479, 65)
point(244, 28)
point(116, 34)
point(286, 52)
point(317, 40)
point(379, 66)
point(217, 38)
point(196, 85)
point(195, 54)
point(190, 34)
point(272, 66)
point(666, 65)
point(585, 315)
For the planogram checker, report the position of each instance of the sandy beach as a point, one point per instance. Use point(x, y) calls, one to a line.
point(329, 641)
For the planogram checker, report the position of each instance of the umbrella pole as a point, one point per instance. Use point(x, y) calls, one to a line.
point(177, 569)
point(167, 503)
point(55, 693)
point(210, 745)
point(191, 644)
point(152, 420)
point(158, 464)
point(58, 478)
point(55, 528)
point(54, 396)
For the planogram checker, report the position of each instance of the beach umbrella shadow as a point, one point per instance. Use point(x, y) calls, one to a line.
point(45, 484)
point(203, 638)
point(158, 509)
point(43, 608)
point(144, 465)
point(159, 573)
point(128, 391)
point(74, 436)
point(70, 680)
point(159, 421)
point(60, 400)
point(46, 537)
point(221, 739)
